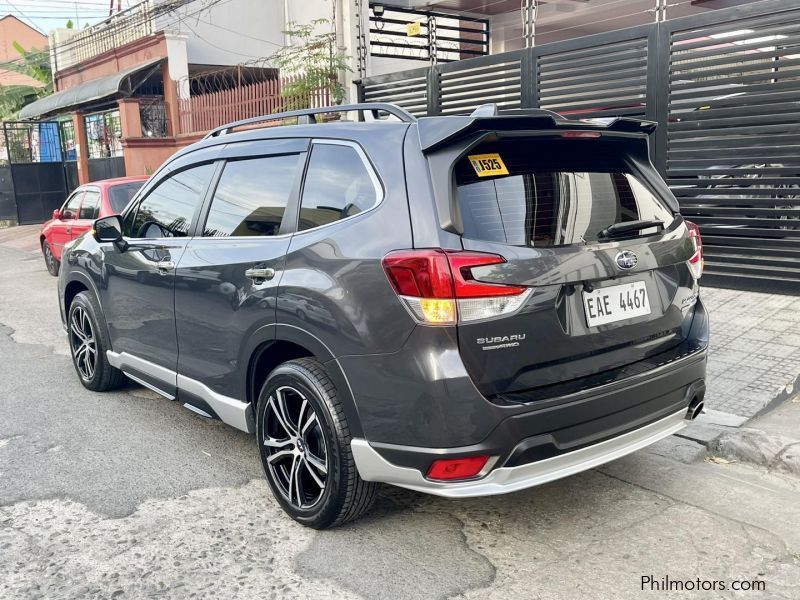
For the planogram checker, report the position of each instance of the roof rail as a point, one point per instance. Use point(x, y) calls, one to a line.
point(309, 114)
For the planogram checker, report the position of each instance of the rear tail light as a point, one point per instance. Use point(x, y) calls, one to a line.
point(438, 287)
point(696, 261)
point(450, 469)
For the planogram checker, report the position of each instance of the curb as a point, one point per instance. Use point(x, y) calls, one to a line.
point(776, 452)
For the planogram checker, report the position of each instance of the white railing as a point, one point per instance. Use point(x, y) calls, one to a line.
point(72, 47)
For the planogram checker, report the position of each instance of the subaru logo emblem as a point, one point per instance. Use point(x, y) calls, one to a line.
point(626, 260)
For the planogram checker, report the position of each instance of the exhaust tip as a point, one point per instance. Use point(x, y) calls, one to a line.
point(696, 407)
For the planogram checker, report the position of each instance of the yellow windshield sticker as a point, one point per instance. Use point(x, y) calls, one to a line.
point(488, 165)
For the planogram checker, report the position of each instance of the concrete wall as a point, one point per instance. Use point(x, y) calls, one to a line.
point(13, 30)
point(137, 53)
point(234, 32)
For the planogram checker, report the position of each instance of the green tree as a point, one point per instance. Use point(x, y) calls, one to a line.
point(312, 63)
point(33, 63)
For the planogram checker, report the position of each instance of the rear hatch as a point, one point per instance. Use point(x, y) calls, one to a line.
point(583, 221)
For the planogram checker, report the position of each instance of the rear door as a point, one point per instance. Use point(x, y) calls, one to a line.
point(61, 230)
point(227, 281)
point(606, 292)
point(90, 207)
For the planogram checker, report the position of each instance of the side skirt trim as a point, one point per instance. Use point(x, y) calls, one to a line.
point(124, 362)
point(149, 386)
point(231, 411)
point(194, 409)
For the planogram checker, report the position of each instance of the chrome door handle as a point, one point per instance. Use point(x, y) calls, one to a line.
point(165, 266)
point(260, 274)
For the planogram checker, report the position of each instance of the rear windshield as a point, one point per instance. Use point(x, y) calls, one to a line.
point(553, 193)
point(121, 194)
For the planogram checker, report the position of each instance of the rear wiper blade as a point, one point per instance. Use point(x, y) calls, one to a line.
point(628, 226)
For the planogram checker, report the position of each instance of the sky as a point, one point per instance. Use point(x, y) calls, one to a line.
point(45, 15)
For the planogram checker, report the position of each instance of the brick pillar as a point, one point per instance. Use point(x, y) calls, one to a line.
point(81, 146)
point(129, 117)
point(130, 120)
point(170, 101)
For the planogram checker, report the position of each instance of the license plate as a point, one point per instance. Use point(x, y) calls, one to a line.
point(616, 303)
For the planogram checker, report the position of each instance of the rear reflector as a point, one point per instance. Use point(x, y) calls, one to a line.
point(450, 469)
point(439, 288)
point(696, 261)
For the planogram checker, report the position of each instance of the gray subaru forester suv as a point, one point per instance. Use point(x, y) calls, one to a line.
point(459, 305)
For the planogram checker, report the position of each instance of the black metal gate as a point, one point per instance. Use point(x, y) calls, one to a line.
point(724, 88)
point(36, 159)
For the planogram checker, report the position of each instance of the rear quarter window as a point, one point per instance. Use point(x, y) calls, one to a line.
point(338, 184)
point(551, 193)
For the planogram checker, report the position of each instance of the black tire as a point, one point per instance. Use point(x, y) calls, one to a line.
point(50, 261)
point(85, 315)
point(345, 495)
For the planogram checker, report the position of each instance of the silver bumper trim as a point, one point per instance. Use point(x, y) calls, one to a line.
point(373, 467)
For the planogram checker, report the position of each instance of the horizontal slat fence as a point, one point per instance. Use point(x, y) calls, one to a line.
point(724, 88)
point(733, 144)
point(408, 89)
point(203, 112)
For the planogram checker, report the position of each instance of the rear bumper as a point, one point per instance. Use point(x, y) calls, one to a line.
point(528, 443)
point(373, 467)
point(569, 435)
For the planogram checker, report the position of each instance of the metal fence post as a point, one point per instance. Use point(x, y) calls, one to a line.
point(434, 91)
point(529, 94)
point(657, 92)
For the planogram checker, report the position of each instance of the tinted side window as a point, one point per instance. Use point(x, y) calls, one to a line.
point(90, 206)
point(71, 206)
point(251, 196)
point(121, 194)
point(167, 210)
point(337, 186)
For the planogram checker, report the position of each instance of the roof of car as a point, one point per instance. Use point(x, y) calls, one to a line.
point(105, 183)
point(433, 131)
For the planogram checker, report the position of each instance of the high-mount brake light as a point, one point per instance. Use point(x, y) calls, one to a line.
point(580, 134)
point(696, 261)
point(439, 288)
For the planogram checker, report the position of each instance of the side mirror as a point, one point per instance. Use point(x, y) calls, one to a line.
point(109, 229)
point(57, 214)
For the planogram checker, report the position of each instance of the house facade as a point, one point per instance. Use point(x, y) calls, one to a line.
point(132, 90)
point(13, 30)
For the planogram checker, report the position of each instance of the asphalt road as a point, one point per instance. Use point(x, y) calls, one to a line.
point(128, 495)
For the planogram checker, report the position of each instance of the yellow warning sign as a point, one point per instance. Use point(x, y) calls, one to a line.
point(413, 29)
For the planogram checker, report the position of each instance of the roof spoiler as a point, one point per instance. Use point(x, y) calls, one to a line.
point(436, 132)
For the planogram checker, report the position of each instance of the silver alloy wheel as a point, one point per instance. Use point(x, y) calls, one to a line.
point(48, 257)
point(297, 454)
point(82, 340)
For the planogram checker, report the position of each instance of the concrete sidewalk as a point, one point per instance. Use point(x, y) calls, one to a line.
point(754, 359)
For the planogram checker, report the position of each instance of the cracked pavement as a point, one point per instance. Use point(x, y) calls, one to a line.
point(128, 495)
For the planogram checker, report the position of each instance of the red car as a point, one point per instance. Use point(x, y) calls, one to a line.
point(82, 207)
